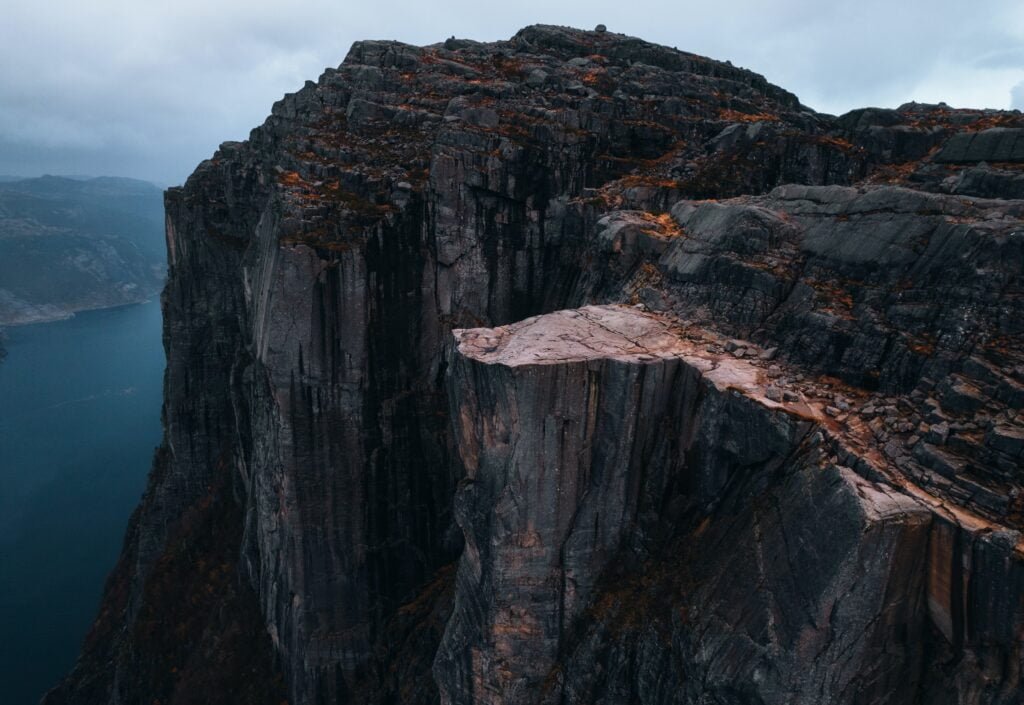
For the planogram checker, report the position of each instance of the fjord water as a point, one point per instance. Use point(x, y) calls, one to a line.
point(79, 420)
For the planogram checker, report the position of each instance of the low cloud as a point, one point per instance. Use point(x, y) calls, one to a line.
point(1017, 96)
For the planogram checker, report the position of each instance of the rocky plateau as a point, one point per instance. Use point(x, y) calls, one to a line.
point(576, 369)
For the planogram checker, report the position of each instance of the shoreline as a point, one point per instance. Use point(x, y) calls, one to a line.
point(67, 314)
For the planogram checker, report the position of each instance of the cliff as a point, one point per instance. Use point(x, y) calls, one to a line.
point(700, 434)
point(70, 245)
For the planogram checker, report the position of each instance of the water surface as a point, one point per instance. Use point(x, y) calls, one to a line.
point(79, 420)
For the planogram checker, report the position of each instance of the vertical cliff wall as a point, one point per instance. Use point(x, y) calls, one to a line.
point(600, 442)
point(798, 482)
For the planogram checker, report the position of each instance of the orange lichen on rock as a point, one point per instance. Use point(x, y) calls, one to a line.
point(666, 225)
point(736, 116)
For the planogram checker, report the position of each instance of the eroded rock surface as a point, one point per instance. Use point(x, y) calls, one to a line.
point(793, 477)
point(644, 525)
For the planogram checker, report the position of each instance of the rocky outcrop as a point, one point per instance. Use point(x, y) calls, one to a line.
point(997, 144)
point(907, 299)
point(598, 439)
point(643, 524)
point(792, 476)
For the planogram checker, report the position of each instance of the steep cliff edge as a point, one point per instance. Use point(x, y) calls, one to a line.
point(798, 480)
point(645, 523)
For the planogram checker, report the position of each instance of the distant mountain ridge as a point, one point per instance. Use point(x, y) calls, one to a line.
point(70, 244)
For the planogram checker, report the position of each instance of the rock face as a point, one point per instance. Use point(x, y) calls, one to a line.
point(789, 470)
point(599, 441)
point(70, 245)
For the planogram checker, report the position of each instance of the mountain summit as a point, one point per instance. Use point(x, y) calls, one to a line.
point(576, 369)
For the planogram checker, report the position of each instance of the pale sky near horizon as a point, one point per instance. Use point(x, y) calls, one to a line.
point(148, 89)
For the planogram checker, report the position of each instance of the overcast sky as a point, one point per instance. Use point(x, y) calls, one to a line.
point(148, 89)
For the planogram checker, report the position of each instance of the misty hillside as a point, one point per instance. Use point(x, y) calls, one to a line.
point(69, 244)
